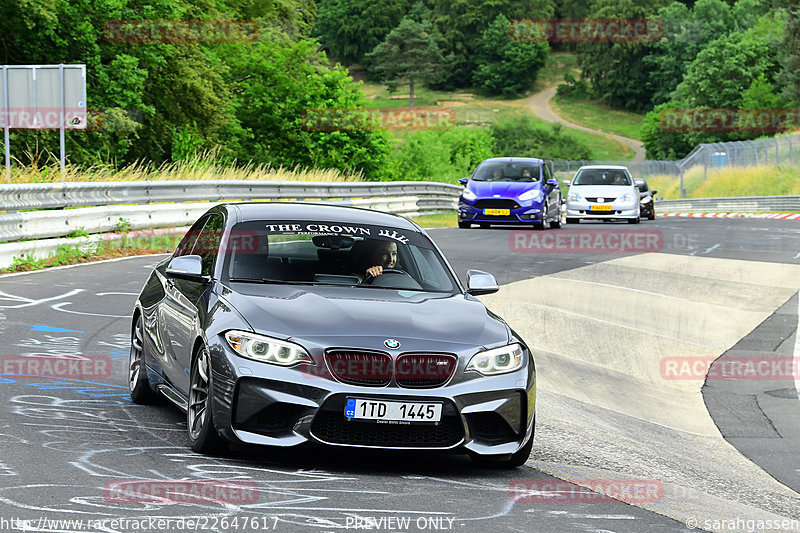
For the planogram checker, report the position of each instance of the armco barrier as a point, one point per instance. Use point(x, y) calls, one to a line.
point(744, 204)
point(17, 197)
point(58, 223)
point(152, 204)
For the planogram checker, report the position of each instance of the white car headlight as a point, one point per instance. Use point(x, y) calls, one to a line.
point(267, 349)
point(627, 197)
point(574, 197)
point(467, 194)
point(533, 194)
point(647, 199)
point(497, 360)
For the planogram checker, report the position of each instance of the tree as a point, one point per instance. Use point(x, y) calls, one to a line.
point(407, 55)
point(616, 69)
point(278, 84)
point(790, 56)
point(349, 29)
point(506, 66)
point(458, 23)
point(720, 74)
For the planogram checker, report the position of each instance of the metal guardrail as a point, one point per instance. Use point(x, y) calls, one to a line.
point(744, 204)
point(151, 204)
point(18, 197)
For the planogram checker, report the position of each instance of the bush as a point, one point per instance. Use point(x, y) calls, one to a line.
point(522, 136)
point(439, 155)
point(574, 89)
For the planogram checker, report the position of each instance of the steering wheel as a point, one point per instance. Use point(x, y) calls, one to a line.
point(370, 278)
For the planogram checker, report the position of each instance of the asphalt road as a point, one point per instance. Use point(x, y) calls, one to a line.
point(65, 442)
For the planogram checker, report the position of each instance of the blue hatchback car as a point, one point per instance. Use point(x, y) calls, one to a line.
point(510, 190)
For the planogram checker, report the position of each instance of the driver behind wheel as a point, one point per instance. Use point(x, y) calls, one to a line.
point(377, 256)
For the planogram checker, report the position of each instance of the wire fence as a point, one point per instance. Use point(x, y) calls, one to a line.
point(774, 151)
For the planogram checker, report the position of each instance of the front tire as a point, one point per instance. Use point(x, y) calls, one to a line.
point(138, 384)
point(633, 220)
point(464, 225)
point(652, 216)
point(571, 220)
point(203, 437)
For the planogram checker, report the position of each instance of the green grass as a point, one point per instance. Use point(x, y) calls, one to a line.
point(730, 182)
point(202, 167)
point(598, 116)
point(603, 148)
point(439, 220)
point(74, 254)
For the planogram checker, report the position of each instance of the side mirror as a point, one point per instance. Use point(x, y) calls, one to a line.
point(463, 181)
point(653, 192)
point(479, 282)
point(551, 182)
point(567, 182)
point(187, 267)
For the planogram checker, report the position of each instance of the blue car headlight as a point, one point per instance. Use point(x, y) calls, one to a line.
point(266, 349)
point(467, 194)
point(533, 194)
point(497, 360)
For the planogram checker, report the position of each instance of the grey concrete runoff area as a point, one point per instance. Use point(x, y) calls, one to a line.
point(635, 355)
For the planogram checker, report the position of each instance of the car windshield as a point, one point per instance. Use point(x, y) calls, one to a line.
point(601, 176)
point(329, 253)
point(507, 171)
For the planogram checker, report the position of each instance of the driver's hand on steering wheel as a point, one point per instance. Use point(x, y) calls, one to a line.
point(375, 271)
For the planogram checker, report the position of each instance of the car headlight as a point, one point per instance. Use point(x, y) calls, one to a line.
point(533, 194)
point(267, 349)
point(467, 194)
point(646, 199)
point(574, 197)
point(627, 197)
point(497, 360)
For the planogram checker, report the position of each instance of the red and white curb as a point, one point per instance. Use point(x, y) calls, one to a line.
point(785, 216)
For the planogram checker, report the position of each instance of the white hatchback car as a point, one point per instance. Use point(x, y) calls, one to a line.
point(602, 192)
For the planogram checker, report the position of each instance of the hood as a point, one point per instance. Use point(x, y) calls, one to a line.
point(365, 318)
point(505, 189)
point(608, 191)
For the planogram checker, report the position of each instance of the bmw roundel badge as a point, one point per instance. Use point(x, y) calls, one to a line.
point(391, 344)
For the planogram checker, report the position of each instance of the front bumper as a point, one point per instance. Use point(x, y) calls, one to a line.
point(262, 404)
point(526, 213)
point(618, 210)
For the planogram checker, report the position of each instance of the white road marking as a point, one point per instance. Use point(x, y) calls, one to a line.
point(796, 365)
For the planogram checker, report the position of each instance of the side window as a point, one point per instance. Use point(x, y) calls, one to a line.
point(189, 240)
point(546, 171)
point(207, 244)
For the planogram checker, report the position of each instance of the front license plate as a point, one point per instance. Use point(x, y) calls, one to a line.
point(497, 211)
point(601, 208)
point(392, 412)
